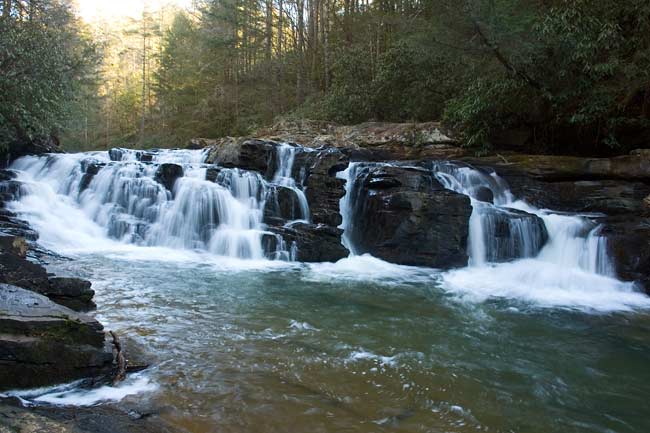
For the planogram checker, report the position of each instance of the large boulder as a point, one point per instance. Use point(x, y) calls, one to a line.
point(405, 216)
point(313, 242)
point(43, 343)
point(256, 155)
point(167, 174)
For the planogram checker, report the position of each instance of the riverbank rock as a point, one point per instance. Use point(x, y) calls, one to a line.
point(405, 216)
point(17, 270)
point(370, 141)
point(43, 343)
point(56, 419)
point(74, 293)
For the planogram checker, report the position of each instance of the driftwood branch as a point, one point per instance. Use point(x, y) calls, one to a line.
point(121, 361)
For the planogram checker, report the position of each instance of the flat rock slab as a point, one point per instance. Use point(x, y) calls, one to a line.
point(43, 343)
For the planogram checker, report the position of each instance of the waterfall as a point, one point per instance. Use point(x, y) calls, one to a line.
point(574, 241)
point(154, 198)
point(283, 177)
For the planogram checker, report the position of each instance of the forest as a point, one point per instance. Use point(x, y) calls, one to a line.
point(557, 76)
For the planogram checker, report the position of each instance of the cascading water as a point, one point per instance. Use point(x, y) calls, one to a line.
point(162, 198)
point(286, 154)
point(573, 240)
point(571, 267)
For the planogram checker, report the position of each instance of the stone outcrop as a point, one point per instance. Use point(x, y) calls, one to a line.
point(167, 174)
point(405, 216)
point(247, 154)
point(43, 343)
point(322, 188)
point(370, 141)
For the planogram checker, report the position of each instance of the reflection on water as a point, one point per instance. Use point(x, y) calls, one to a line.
point(363, 346)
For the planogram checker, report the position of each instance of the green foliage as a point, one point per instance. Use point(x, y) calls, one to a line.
point(43, 61)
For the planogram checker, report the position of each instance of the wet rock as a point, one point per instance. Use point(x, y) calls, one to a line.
point(18, 271)
point(14, 245)
point(7, 175)
point(167, 174)
point(43, 343)
point(57, 419)
point(628, 240)
point(90, 169)
point(74, 293)
point(322, 188)
point(416, 222)
point(212, 174)
point(314, 242)
point(282, 205)
point(116, 154)
point(484, 194)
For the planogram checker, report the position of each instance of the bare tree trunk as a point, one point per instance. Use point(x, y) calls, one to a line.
point(301, 50)
point(326, 51)
point(269, 29)
point(144, 76)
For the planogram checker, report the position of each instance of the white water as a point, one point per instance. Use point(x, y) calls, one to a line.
point(572, 269)
point(73, 394)
point(123, 203)
point(286, 154)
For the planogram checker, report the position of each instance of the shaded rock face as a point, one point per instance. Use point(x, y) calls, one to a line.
point(314, 242)
point(74, 293)
point(167, 174)
point(322, 188)
point(16, 270)
point(90, 169)
point(405, 216)
point(281, 205)
point(43, 343)
point(628, 240)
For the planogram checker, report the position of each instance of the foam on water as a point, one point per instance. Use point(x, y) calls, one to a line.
point(544, 284)
point(73, 394)
point(367, 268)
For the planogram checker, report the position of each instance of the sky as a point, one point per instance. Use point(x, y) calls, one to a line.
point(93, 9)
